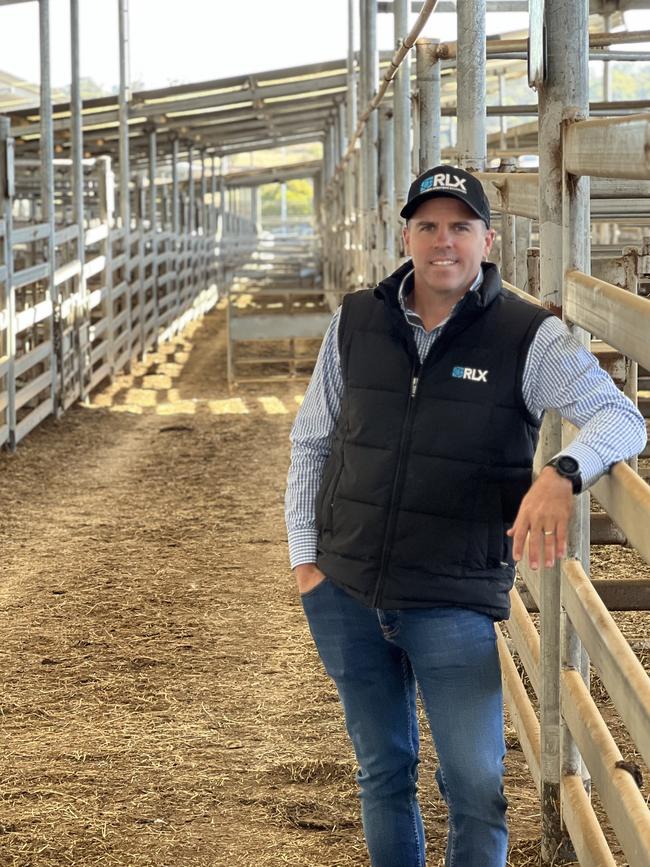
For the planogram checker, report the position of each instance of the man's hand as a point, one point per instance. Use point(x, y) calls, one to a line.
point(308, 576)
point(544, 516)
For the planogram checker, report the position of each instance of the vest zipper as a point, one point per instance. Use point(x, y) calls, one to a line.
point(397, 483)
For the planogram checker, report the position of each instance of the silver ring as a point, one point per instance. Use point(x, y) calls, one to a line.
point(548, 532)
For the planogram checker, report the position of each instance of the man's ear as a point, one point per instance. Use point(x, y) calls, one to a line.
point(405, 239)
point(490, 235)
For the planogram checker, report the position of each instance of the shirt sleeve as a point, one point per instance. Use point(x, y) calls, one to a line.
point(311, 438)
point(562, 374)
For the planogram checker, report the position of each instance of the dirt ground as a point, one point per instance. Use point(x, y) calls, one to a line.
point(161, 701)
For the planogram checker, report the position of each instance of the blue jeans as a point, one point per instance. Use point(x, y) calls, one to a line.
point(375, 657)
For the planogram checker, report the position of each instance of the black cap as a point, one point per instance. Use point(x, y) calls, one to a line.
point(448, 181)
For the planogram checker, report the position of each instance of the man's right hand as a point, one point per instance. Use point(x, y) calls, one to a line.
point(308, 576)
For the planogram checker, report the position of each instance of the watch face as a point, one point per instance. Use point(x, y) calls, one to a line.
point(568, 465)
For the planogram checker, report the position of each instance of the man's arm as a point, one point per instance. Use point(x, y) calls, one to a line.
point(311, 438)
point(561, 374)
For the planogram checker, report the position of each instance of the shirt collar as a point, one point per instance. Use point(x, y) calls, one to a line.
point(406, 287)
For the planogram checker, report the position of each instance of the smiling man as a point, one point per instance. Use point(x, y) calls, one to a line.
point(409, 498)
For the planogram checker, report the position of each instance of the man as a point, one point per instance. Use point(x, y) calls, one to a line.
point(409, 497)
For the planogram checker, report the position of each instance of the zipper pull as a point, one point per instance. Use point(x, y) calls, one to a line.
point(414, 385)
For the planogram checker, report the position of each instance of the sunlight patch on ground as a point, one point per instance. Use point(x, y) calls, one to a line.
point(299, 398)
point(231, 406)
point(273, 405)
point(180, 407)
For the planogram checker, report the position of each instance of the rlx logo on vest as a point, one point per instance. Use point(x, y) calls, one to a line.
point(470, 373)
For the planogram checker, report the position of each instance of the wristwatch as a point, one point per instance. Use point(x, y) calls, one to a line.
point(569, 468)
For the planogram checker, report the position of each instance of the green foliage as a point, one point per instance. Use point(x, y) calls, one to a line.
point(300, 197)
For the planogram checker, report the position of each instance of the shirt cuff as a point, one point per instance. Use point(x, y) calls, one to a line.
point(302, 546)
point(590, 462)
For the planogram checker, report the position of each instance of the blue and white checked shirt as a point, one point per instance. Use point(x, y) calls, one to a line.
point(559, 374)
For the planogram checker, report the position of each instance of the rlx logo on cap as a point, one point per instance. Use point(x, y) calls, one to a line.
point(470, 373)
point(445, 181)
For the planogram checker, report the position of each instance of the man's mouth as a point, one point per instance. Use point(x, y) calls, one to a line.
point(443, 262)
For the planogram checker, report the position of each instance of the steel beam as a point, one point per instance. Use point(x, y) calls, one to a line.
point(402, 108)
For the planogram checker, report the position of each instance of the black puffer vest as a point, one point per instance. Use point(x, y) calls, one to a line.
point(429, 462)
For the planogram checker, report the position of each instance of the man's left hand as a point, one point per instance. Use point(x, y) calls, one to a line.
point(543, 516)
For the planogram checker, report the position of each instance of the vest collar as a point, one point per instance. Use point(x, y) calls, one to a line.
point(490, 287)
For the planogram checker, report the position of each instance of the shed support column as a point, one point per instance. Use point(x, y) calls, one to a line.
point(471, 84)
point(370, 70)
point(566, 27)
point(81, 312)
point(6, 196)
point(191, 222)
point(123, 114)
point(387, 214)
point(508, 251)
point(428, 80)
point(57, 392)
point(153, 220)
point(402, 113)
point(522, 243)
point(175, 225)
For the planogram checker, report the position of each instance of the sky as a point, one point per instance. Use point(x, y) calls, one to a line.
point(176, 41)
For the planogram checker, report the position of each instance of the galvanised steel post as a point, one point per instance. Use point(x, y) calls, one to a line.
point(204, 190)
point(522, 243)
point(123, 114)
point(47, 205)
point(370, 139)
point(153, 223)
point(190, 189)
point(564, 86)
point(6, 196)
point(503, 125)
point(351, 98)
point(175, 222)
point(213, 198)
point(387, 214)
point(471, 84)
point(82, 323)
point(402, 115)
point(508, 251)
point(428, 78)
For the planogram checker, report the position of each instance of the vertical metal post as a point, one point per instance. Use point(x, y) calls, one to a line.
point(606, 65)
point(176, 228)
point(402, 111)
point(508, 253)
point(532, 271)
point(471, 84)
point(191, 223)
point(503, 124)
point(82, 313)
point(564, 87)
point(369, 139)
point(283, 205)
point(222, 233)
point(522, 243)
point(6, 196)
point(387, 188)
point(47, 206)
point(123, 116)
point(428, 79)
point(153, 223)
point(107, 216)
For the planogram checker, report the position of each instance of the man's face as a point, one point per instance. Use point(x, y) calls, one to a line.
point(447, 243)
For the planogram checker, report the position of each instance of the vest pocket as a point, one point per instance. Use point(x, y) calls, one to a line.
point(328, 500)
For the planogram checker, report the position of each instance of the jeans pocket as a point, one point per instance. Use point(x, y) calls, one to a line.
point(314, 590)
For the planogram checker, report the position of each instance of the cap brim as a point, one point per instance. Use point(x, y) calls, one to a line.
point(411, 207)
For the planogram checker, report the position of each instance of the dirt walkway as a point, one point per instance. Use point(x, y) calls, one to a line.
point(161, 701)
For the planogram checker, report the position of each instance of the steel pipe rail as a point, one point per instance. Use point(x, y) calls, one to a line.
point(626, 498)
point(618, 667)
point(619, 794)
point(609, 147)
point(619, 317)
point(521, 710)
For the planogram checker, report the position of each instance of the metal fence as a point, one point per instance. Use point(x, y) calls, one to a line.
point(80, 299)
